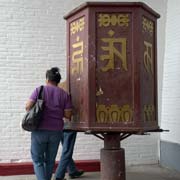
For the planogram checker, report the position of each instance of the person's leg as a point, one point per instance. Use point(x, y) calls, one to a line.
point(72, 167)
point(51, 152)
point(38, 148)
point(73, 171)
point(69, 138)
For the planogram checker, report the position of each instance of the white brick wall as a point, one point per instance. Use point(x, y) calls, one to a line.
point(32, 39)
point(171, 81)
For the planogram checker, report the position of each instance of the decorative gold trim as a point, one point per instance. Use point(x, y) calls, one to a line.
point(107, 20)
point(148, 26)
point(149, 112)
point(114, 113)
point(99, 92)
point(77, 26)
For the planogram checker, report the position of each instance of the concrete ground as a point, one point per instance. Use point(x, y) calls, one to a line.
point(145, 172)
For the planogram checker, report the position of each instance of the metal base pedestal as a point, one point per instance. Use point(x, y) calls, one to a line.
point(112, 159)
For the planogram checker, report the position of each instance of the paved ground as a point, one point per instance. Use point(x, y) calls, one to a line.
point(146, 172)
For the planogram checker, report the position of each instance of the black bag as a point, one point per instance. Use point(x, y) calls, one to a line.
point(32, 118)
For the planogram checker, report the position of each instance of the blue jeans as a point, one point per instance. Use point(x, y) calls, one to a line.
point(44, 147)
point(66, 161)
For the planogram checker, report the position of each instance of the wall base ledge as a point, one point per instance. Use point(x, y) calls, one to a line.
point(9, 169)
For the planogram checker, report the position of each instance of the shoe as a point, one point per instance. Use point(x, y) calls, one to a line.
point(76, 174)
point(60, 179)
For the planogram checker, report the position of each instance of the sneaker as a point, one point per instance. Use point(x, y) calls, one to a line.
point(76, 174)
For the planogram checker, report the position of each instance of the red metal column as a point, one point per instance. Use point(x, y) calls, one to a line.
point(112, 158)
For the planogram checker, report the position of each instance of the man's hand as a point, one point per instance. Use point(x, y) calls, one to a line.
point(68, 113)
point(63, 85)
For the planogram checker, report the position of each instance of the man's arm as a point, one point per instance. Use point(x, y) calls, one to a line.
point(67, 112)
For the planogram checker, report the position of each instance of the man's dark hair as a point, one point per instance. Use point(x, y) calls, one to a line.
point(53, 75)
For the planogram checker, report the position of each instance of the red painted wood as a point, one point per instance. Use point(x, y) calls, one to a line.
point(10, 169)
point(121, 96)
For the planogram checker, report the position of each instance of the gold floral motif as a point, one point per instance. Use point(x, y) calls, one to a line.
point(77, 26)
point(113, 113)
point(106, 20)
point(149, 112)
point(148, 26)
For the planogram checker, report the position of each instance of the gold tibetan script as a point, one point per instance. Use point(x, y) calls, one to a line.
point(113, 20)
point(111, 51)
point(77, 26)
point(148, 57)
point(113, 113)
point(149, 113)
point(77, 57)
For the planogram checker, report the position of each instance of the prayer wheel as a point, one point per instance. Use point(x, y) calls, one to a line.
point(112, 66)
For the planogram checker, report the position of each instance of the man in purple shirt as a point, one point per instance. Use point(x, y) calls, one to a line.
point(66, 161)
point(45, 140)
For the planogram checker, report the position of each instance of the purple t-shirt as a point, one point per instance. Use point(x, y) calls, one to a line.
point(56, 101)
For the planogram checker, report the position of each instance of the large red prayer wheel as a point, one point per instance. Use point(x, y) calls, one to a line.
point(112, 67)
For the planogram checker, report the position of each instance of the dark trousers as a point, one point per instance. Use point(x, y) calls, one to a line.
point(66, 161)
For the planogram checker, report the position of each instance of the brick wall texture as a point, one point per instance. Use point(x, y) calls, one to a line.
point(171, 81)
point(33, 39)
